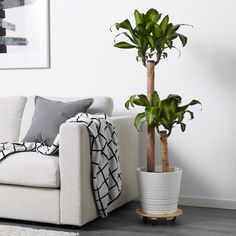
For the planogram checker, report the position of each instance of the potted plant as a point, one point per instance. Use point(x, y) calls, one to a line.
point(159, 190)
point(152, 36)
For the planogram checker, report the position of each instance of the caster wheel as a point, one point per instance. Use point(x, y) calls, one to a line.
point(154, 222)
point(145, 219)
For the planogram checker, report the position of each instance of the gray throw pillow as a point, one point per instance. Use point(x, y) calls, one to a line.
point(49, 115)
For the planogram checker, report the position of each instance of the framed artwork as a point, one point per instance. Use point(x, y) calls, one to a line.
point(24, 34)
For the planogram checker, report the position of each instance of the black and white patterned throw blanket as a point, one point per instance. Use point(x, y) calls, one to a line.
point(106, 173)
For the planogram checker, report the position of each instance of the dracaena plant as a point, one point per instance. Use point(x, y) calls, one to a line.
point(163, 115)
point(151, 35)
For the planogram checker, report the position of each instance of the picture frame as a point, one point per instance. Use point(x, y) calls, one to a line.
point(24, 34)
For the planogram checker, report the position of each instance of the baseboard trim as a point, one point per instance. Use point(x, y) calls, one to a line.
point(207, 202)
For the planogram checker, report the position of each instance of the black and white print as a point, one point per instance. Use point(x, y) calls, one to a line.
point(106, 172)
point(23, 33)
point(6, 26)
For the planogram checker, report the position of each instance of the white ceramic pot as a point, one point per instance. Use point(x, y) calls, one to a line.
point(159, 192)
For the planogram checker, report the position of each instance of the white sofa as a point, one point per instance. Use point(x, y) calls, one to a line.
point(57, 189)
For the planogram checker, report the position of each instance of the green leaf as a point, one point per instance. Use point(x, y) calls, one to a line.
point(191, 115)
point(141, 30)
point(169, 109)
point(124, 45)
point(139, 52)
point(164, 23)
point(155, 99)
point(183, 126)
point(165, 55)
point(165, 123)
point(160, 45)
point(149, 26)
point(139, 100)
point(176, 97)
point(151, 41)
point(137, 120)
point(138, 17)
point(125, 34)
point(157, 31)
point(168, 28)
point(169, 131)
point(124, 25)
point(127, 103)
point(150, 115)
point(175, 28)
point(169, 43)
point(166, 113)
point(183, 108)
point(172, 36)
point(143, 99)
point(183, 39)
point(144, 18)
point(153, 15)
point(180, 116)
point(171, 29)
point(132, 98)
point(194, 102)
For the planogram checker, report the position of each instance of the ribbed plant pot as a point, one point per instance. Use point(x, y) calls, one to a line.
point(158, 191)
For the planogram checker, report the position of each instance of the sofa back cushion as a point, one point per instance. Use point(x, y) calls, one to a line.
point(101, 104)
point(11, 111)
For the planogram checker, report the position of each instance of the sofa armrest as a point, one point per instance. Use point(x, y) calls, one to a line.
point(75, 170)
point(76, 196)
point(128, 143)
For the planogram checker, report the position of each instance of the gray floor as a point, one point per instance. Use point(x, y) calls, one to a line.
point(124, 222)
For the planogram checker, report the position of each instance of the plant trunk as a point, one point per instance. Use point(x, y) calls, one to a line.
point(164, 151)
point(151, 130)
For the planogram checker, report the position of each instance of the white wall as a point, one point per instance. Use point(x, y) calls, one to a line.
point(84, 62)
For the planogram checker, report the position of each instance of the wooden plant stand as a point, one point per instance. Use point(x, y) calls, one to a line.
point(154, 218)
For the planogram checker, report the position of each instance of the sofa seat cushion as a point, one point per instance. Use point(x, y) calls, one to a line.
point(30, 169)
